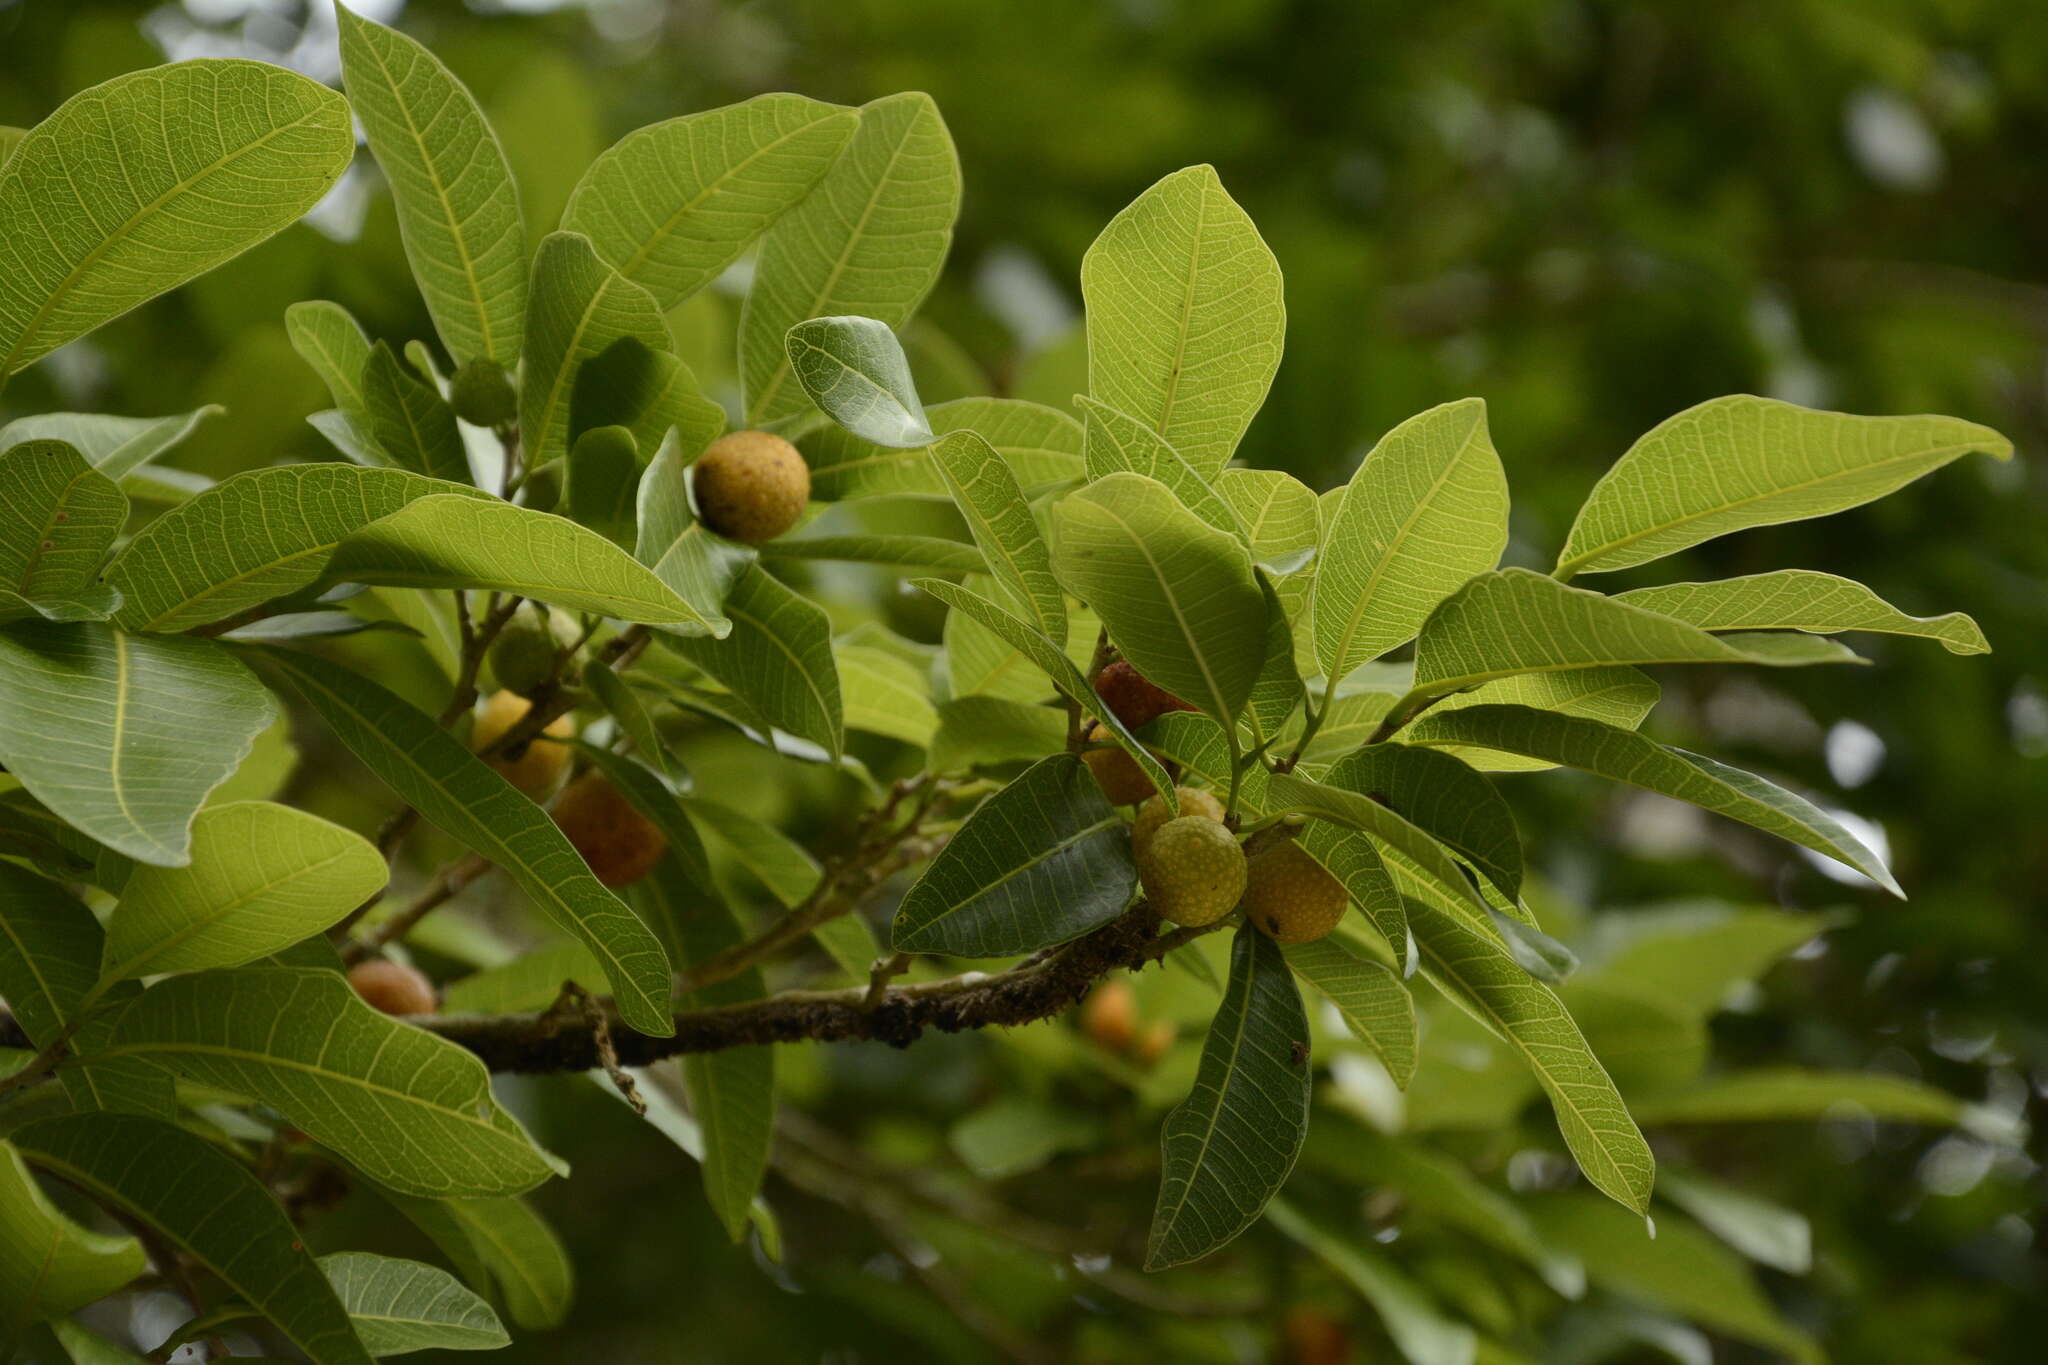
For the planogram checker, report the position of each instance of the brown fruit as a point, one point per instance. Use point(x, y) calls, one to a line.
point(1193, 871)
point(1110, 1015)
point(751, 486)
point(1153, 813)
point(1117, 773)
point(392, 987)
point(1134, 698)
point(1154, 1041)
point(539, 767)
point(1291, 896)
point(620, 844)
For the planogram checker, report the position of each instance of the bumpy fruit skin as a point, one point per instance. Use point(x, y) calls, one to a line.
point(1133, 698)
point(751, 486)
point(523, 655)
point(1110, 1016)
point(620, 844)
point(1117, 773)
point(1291, 897)
point(539, 770)
point(1193, 871)
point(481, 394)
point(1153, 813)
point(392, 987)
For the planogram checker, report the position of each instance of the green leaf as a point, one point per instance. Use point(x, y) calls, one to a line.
point(1016, 1136)
point(124, 735)
point(457, 542)
point(1617, 696)
point(1794, 1095)
point(986, 491)
point(885, 695)
point(578, 309)
point(672, 205)
point(1042, 861)
point(1353, 859)
point(1041, 445)
point(1515, 621)
point(1452, 803)
point(115, 446)
point(1118, 442)
point(262, 877)
point(401, 1306)
point(1473, 967)
point(771, 857)
point(433, 771)
point(1731, 463)
point(1185, 316)
point(1291, 791)
point(1279, 515)
point(531, 981)
point(202, 1201)
point(913, 552)
point(328, 338)
point(1426, 511)
point(1626, 756)
point(867, 241)
point(58, 517)
point(10, 138)
point(1422, 1334)
point(656, 796)
point(49, 1264)
point(458, 209)
point(137, 185)
point(977, 731)
point(259, 535)
point(1769, 1234)
point(646, 391)
point(1800, 599)
point(1228, 1147)
point(635, 720)
point(698, 565)
point(853, 368)
point(1177, 596)
point(501, 1243)
point(409, 1108)
point(1694, 956)
point(604, 483)
point(777, 660)
point(413, 426)
point(1376, 1006)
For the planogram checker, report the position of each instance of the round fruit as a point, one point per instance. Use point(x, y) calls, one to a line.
point(538, 768)
point(392, 987)
point(1154, 1041)
point(1118, 774)
point(1314, 1338)
point(1110, 1015)
point(1291, 896)
point(523, 655)
point(751, 486)
point(1193, 871)
point(620, 844)
point(1134, 698)
point(1153, 814)
point(482, 395)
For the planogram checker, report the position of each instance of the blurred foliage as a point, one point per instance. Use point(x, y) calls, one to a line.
point(1590, 212)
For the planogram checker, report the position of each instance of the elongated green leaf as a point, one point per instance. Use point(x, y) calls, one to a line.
point(1516, 621)
point(912, 552)
point(777, 660)
point(868, 241)
point(451, 542)
point(1741, 461)
point(1628, 757)
point(124, 735)
point(58, 516)
point(258, 535)
point(1353, 859)
point(1427, 510)
point(115, 446)
point(1473, 967)
point(135, 186)
point(1800, 599)
point(1280, 517)
point(262, 877)
point(977, 731)
point(648, 392)
point(631, 711)
point(1694, 955)
point(402, 1306)
point(579, 307)
point(1117, 441)
point(531, 981)
point(412, 1110)
point(885, 695)
point(696, 564)
point(1290, 791)
point(987, 493)
point(1229, 1147)
point(500, 1243)
point(201, 1200)
point(1177, 597)
point(1422, 1334)
point(1185, 316)
point(675, 203)
point(1042, 861)
point(1616, 696)
point(433, 771)
point(1376, 1006)
point(1769, 1234)
point(328, 338)
point(768, 855)
point(413, 426)
point(458, 209)
point(1795, 1095)
point(854, 369)
point(1041, 445)
point(49, 1264)
point(1454, 804)
point(604, 483)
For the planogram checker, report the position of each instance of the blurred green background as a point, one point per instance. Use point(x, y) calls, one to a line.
point(1590, 214)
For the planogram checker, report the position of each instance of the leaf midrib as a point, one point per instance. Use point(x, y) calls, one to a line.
point(1052, 851)
point(1215, 1115)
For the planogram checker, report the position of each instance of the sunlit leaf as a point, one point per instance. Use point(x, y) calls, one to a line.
point(777, 659)
point(399, 1306)
point(49, 1264)
point(115, 446)
point(1117, 441)
point(853, 368)
point(986, 491)
point(500, 1243)
point(1376, 1006)
point(1041, 445)
point(1800, 599)
point(58, 518)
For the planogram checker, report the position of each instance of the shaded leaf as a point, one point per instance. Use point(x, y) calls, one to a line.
point(412, 425)
point(58, 517)
point(115, 446)
point(986, 491)
point(777, 660)
point(697, 564)
point(577, 309)
point(649, 392)
point(885, 695)
point(48, 1264)
point(1617, 695)
point(1450, 801)
point(500, 1243)
point(1422, 1334)
point(1041, 445)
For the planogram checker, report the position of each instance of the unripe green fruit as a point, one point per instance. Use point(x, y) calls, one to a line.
point(481, 394)
point(1292, 897)
point(1193, 871)
point(751, 485)
point(1153, 814)
point(523, 655)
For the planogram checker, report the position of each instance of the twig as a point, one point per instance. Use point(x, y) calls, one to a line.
point(447, 884)
point(579, 1002)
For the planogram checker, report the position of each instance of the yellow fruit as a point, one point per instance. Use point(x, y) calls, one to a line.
point(620, 844)
point(1291, 896)
point(539, 767)
point(1110, 1015)
point(1154, 1041)
point(1193, 871)
point(1116, 772)
point(392, 987)
point(1154, 813)
point(751, 486)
